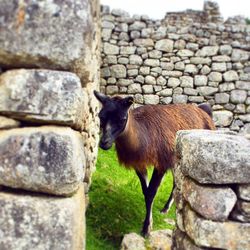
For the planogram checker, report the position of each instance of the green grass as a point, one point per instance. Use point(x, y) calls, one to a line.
point(117, 204)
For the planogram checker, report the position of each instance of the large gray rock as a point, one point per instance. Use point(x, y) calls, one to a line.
point(230, 76)
point(239, 55)
point(210, 202)
point(222, 118)
point(207, 90)
point(45, 159)
point(238, 96)
point(42, 222)
point(44, 96)
point(223, 235)
point(214, 156)
point(51, 34)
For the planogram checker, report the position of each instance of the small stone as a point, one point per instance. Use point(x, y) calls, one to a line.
point(134, 88)
point(152, 62)
point(147, 89)
point(166, 92)
point(187, 82)
point(226, 50)
point(205, 91)
point(220, 67)
point(135, 59)
point(192, 46)
point(133, 241)
point(222, 118)
point(190, 68)
point(230, 76)
point(137, 25)
point(161, 239)
point(190, 91)
point(200, 60)
point(243, 85)
point(111, 90)
point(179, 44)
point(144, 42)
point(151, 99)
point(156, 54)
point(221, 58)
point(245, 118)
point(180, 98)
point(185, 53)
point(221, 98)
point(124, 82)
point(215, 77)
point(139, 98)
point(150, 80)
point(144, 70)
point(239, 55)
point(173, 82)
point(110, 49)
point(207, 51)
point(205, 70)
point(165, 45)
point(238, 96)
point(127, 50)
point(243, 191)
point(179, 66)
point(166, 100)
point(196, 99)
point(161, 81)
point(123, 60)
point(118, 71)
point(200, 80)
point(228, 86)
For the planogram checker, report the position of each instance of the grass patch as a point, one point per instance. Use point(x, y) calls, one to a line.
point(117, 204)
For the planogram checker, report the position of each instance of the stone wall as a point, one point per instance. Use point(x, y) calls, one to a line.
point(212, 192)
point(49, 61)
point(179, 61)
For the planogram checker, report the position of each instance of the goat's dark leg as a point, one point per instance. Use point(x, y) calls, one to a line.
point(149, 198)
point(170, 200)
point(143, 177)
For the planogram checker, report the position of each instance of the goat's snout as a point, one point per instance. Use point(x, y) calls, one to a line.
point(105, 143)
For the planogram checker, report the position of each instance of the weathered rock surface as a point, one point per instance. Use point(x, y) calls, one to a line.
point(45, 159)
point(40, 222)
point(44, 96)
point(224, 235)
point(222, 118)
point(133, 241)
point(6, 123)
point(212, 203)
point(243, 191)
point(160, 240)
point(54, 34)
point(214, 156)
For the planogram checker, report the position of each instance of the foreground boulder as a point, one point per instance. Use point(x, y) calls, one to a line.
point(30, 221)
point(54, 34)
point(45, 96)
point(44, 159)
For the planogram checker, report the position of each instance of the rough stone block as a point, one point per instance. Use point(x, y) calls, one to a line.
point(212, 203)
point(222, 118)
point(133, 241)
point(243, 191)
point(214, 156)
point(43, 96)
point(30, 221)
point(223, 235)
point(51, 34)
point(46, 159)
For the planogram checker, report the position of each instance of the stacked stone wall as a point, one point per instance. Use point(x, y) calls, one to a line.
point(212, 192)
point(49, 60)
point(167, 61)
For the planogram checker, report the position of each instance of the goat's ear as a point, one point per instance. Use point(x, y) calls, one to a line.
point(101, 97)
point(128, 101)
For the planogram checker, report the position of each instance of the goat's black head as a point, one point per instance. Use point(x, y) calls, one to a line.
point(113, 117)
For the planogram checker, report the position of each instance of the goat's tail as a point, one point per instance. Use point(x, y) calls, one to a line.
point(207, 108)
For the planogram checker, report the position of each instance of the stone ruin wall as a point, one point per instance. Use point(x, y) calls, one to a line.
point(49, 61)
point(187, 57)
point(212, 191)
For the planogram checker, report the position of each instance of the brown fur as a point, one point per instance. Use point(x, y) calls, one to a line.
point(149, 136)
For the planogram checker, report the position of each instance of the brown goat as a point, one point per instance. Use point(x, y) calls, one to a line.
point(145, 137)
